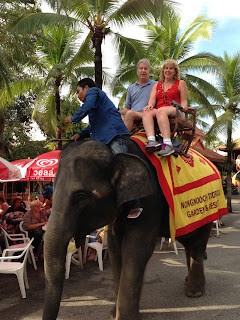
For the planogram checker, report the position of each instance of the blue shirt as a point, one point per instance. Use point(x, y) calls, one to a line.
point(138, 96)
point(105, 120)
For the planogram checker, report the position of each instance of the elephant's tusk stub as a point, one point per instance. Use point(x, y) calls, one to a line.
point(97, 194)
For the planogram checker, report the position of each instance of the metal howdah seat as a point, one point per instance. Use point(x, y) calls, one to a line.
point(183, 128)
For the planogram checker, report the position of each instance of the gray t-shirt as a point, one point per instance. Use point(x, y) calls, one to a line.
point(138, 96)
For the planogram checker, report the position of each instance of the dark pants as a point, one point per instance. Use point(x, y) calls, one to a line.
point(37, 240)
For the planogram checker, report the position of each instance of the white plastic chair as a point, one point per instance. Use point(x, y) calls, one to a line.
point(217, 224)
point(18, 268)
point(25, 232)
point(98, 246)
point(169, 244)
point(73, 255)
point(23, 243)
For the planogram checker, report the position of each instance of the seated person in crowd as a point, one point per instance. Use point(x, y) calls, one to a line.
point(238, 163)
point(3, 208)
point(48, 191)
point(34, 219)
point(40, 198)
point(160, 107)
point(138, 95)
point(91, 252)
point(15, 211)
point(47, 207)
point(3, 205)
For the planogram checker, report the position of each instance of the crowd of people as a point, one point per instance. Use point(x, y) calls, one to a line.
point(33, 219)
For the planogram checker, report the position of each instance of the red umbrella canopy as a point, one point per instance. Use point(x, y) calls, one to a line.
point(3, 171)
point(44, 167)
point(22, 164)
point(8, 172)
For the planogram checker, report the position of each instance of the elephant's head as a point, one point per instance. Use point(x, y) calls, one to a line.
point(92, 184)
point(90, 187)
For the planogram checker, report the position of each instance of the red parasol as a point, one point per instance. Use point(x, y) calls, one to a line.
point(8, 172)
point(22, 164)
point(43, 167)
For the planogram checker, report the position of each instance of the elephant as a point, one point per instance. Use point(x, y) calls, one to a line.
point(91, 189)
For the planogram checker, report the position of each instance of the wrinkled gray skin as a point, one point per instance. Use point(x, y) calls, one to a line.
point(90, 188)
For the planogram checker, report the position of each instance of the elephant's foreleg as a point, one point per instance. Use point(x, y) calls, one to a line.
point(115, 255)
point(135, 255)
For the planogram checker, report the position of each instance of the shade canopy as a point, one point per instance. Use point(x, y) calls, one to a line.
point(22, 164)
point(9, 172)
point(43, 167)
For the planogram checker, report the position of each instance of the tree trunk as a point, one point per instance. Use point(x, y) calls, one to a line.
point(57, 114)
point(97, 44)
point(229, 181)
point(229, 169)
point(2, 143)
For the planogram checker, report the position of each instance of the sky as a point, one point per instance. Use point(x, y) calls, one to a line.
point(225, 37)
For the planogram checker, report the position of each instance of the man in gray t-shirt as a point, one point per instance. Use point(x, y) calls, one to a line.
point(138, 94)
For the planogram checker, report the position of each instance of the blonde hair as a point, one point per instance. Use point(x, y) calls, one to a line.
point(35, 203)
point(172, 63)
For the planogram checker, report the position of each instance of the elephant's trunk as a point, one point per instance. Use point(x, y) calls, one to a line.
point(55, 244)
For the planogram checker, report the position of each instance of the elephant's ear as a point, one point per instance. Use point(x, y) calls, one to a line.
point(130, 177)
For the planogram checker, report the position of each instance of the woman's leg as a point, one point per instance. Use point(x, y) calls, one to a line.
point(162, 115)
point(148, 123)
point(164, 126)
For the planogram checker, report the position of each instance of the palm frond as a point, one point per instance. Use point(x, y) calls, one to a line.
point(129, 49)
point(4, 71)
point(18, 87)
point(134, 11)
point(33, 22)
point(83, 56)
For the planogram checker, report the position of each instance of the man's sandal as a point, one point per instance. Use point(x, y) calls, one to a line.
point(135, 213)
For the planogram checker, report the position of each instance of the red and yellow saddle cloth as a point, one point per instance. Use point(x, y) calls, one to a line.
point(192, 187)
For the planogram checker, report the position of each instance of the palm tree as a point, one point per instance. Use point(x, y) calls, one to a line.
point(62, 60)
point(226, 106)
point(17, 53)
point(166, 41)
point(99, 17)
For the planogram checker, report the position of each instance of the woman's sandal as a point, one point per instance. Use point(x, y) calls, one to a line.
point(135, 213)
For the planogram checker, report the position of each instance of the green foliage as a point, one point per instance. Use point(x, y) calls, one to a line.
point(16, 142)
point(166, 41)
point(99, 17)
point(16, 50)
point(28, 149)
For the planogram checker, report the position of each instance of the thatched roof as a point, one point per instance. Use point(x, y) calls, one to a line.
point(237, 146)
point(198, 145)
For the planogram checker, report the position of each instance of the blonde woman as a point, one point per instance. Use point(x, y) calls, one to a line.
point(160, 107)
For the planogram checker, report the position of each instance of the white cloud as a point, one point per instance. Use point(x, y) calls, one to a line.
point(219, 9)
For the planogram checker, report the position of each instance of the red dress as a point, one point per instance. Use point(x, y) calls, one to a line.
point(171, 94)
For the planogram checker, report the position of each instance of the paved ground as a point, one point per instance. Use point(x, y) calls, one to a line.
point(89, 293)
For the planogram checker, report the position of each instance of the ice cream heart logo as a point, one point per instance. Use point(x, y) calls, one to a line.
point(46, 162)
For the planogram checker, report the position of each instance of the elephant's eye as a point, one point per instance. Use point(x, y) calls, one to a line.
point(80, 197)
